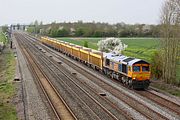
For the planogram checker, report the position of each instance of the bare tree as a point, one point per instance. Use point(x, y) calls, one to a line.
point(170, 33)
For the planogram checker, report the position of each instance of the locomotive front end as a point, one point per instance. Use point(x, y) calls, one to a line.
point(141, 74)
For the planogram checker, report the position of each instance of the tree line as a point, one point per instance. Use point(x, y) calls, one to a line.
point(166, 60)
point(92, 29)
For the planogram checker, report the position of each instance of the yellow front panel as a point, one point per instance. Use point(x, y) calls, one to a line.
point(141, 76)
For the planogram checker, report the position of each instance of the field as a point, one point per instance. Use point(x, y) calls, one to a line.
point(92, 42)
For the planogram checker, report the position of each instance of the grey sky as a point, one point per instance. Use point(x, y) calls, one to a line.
point(111, 11)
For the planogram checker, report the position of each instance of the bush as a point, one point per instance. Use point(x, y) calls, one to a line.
point(86, 44)
point(156, 65)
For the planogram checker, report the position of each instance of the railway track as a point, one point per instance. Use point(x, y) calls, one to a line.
point(160, 100)
point(92, 77)
point(150, 114)
point(88, 99)
point(135, 104)
point(89, 90)
point(101, 111)
point(58, 105)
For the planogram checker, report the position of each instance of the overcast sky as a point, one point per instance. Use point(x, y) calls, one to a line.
point(111, 11)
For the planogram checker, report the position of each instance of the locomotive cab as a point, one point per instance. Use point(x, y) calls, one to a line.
point(141, 74)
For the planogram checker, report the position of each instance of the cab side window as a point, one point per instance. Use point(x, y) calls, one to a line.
point(136, 68)
point(145, 68)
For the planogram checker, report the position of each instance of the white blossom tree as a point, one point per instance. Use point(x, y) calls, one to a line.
point(111, 45)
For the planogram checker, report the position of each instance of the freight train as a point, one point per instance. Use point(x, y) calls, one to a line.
point(133, 72)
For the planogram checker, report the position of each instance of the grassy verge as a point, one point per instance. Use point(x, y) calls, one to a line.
point(3, 38)
point(7, 88)
point(167, 88)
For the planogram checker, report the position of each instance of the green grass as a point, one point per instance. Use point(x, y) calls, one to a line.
point(92, 42)
point(7, 88)
point(142, 48)
point(169, 89)
point(3, 38)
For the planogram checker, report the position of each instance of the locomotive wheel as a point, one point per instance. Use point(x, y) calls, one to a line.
point(123, 80)
point(130, 83)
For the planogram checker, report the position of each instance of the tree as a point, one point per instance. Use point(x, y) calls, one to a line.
point(92, 29)
point(36, 27)
point(79, 32)
point(31, 29)
point(4, 28)
point(170, 29)
point(63, 33)
point(111, 45)
point(156, 65)
point(86, 44)
point(54, 32)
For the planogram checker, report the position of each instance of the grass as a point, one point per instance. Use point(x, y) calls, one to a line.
point(7, 88)
point(3, 38)
point(92, 42)
point(142, 48)
point(169, 89)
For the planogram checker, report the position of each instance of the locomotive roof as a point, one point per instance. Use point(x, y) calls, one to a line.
point(120, 58)
point(124, 59)
point(137, 61)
